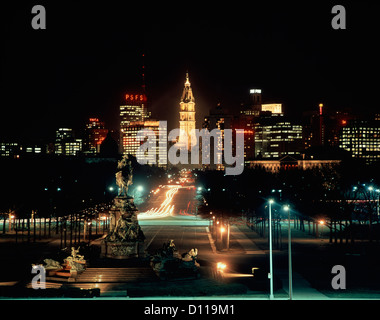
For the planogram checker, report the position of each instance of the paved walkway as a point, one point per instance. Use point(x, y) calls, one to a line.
point(247, 244)
point(302, 290)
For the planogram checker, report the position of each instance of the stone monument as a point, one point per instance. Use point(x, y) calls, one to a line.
point(168, 264)
point(125, 238)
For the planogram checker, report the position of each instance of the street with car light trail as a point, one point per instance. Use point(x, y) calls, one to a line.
point(170, 214)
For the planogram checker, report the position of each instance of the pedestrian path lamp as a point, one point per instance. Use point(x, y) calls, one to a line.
point(271, 201)
point(322, 223)
point(287, 209)
point(370, 188)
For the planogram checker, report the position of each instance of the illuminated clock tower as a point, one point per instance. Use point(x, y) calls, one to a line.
point(187, 113)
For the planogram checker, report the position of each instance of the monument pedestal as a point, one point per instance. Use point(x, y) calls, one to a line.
point(122, 250)
point(126, 239)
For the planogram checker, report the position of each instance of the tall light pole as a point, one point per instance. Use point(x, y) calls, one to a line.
point(270, 250)
point(370, 188)
point(287, 208)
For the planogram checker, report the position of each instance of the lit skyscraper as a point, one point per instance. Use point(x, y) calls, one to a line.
point(134, 110)
point(221, 120)
point(95, 133)
point(132, 144)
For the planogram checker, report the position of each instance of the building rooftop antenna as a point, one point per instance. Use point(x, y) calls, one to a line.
point(143, 72)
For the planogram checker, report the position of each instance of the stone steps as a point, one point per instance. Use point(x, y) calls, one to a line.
point(116, 275)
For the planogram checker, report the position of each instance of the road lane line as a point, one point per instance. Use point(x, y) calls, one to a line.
point(147, 246)
point(211, 240)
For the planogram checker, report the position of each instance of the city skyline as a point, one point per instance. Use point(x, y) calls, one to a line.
point(279, 188)
point(79, 68)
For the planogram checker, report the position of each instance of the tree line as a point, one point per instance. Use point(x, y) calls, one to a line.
point(345, 196)
point(60, 186)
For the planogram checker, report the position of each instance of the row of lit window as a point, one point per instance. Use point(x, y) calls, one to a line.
point(366, 155)
point(366, 150)
point(360, 144)
point(362, 129)
point(373, 137)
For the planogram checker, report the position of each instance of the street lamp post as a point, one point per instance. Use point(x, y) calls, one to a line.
point(287, 208)
point(370, 188)
point(222, 229)
point(270, 250)
point(322, 223)
point(228, 235)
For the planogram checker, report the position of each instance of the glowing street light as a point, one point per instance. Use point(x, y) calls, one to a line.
point(221, 266)
point(271, 201)
point(322, 223)
point(371, 189)
point(11, 217)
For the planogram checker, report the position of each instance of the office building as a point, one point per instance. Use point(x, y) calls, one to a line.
point(247, 123)
point(66, 144)
point(10, 149)
point(362, 139)
point(218, 118)
point(274, 108)
point(95, 133)
point(322, 127)
point(132, 144)
point(276, 137)
point(135, 109)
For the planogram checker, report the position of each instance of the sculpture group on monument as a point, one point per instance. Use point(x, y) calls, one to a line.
point(125, 239)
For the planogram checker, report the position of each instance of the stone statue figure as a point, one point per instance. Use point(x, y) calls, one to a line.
point(75, 255)
point(124, 175)
point(52, 264)
point(125, 238)
point(75, 261)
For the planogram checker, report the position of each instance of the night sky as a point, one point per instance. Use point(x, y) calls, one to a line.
point(90, 55)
